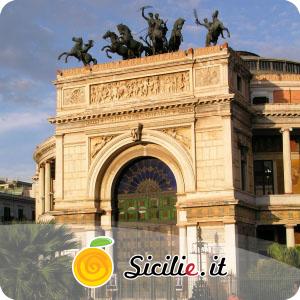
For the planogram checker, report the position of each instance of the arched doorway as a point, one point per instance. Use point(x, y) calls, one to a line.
point(145, 192)
point(144, 218)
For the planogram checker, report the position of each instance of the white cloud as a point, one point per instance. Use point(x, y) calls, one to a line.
point(13, 121)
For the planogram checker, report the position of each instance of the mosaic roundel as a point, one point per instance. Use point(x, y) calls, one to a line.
point(146, 176)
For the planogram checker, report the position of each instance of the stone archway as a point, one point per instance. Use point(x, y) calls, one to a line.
point(120, 150)
point(104, 173)
point(144, 203)
point(144, 220)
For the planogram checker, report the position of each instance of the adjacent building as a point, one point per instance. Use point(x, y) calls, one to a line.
point(16, 202)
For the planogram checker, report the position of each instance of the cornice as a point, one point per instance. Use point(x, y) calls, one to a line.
point(193, 103)
point(43, 148)
point(275, 77)
point(277, 110)
point(85, 116)
point(189, 54)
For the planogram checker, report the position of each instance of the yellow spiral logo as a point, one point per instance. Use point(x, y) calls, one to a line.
point(93, 267)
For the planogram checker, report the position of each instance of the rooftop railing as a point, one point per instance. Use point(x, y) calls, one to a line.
point(267, 65)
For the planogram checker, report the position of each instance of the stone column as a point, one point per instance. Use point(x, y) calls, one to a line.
point(106, 225)
point(41, 200)
point(290, 235)
point(231, 248)
point(47, 187)
point(228, 151)
point(59, 168)
point(182, 241)
point(110, 249)
point(287, 164)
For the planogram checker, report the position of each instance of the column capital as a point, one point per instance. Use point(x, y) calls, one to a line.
point(283, 129)
point(290, 225)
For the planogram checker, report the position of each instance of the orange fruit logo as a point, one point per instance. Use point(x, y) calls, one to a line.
point(92, 266)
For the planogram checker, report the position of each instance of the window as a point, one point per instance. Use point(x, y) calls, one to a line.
point(267, 143)
point(260, 100)
point(239, 83)
point(20, 214)
point(244, 151)
point(263, 177)
point(7, 217)
point(146, 192)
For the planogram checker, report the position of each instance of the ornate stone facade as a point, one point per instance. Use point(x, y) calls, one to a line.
point(192, 111)
point(140, 88)
point(208, 76)
point(73, 96)
point(98, 143)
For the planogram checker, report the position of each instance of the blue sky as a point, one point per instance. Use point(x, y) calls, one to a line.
point(34, 32)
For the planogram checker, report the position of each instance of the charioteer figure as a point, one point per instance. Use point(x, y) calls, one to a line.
point(157, 30)
point(124, 44)
point(214, 28)
point(151, 22)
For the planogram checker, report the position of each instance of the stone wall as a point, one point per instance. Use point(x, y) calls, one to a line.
point(75, 171)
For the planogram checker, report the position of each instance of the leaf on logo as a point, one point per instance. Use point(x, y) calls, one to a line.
point(101, 241)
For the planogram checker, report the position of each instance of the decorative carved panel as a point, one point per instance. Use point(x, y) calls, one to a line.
point(183, 135)
point(207, 76)
point(98, 143)
point(140, 88)
point(73, 96)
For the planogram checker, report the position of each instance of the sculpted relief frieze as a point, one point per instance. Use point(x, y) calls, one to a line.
point(73, 96)
point(98, 143)
point(140, 88)
point(180, 134)
point(208, 76)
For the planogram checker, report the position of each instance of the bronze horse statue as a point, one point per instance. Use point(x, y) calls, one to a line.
point(176, 36)
point(75, 51)
point(135, 48)
point(80, 51)
point(116, 46)
point(86, 57)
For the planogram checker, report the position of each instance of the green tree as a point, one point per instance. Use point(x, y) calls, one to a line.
point(273, 277)
point(290, 256)
point(31, 264)
point(200, 291)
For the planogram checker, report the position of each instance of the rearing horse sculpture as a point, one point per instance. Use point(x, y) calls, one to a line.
point(86, 57)
point(80, 52)
point(116, 46)
point(135, 48)
point(75, 51)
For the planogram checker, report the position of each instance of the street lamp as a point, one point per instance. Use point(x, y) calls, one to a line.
point(268, 173)
point(199, 248)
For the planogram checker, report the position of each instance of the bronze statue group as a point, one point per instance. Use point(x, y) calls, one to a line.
point(155, 41)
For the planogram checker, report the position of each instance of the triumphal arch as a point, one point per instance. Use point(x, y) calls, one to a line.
point(187, 151)
point(153, 140)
